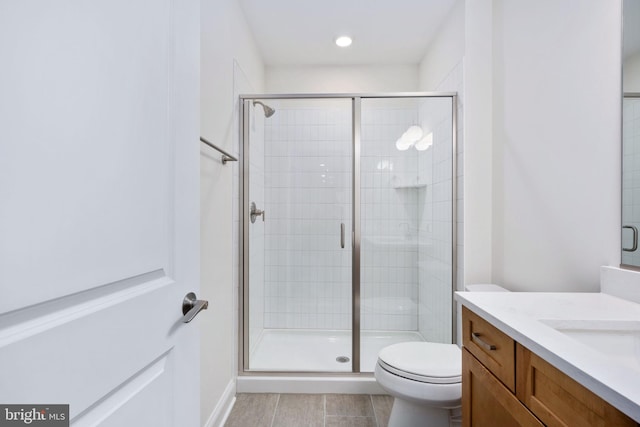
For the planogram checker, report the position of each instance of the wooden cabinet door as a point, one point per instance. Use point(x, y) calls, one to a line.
point(486, 402)
point(560, 401)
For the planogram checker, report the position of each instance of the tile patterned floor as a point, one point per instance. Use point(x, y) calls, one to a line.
point(310, 410)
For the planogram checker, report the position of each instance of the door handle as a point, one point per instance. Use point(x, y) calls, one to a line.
point(635, 238)
point(192, 306)
point(342, 235)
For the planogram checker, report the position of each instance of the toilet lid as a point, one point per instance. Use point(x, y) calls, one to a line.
point(423, 361)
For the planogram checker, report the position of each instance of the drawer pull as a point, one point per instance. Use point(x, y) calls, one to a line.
point(475, 337)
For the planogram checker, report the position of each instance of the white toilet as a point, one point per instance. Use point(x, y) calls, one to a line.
point(425, 380)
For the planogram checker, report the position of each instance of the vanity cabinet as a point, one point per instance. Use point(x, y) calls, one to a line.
point(505, 384)
point(486, 401)
point(556, 399)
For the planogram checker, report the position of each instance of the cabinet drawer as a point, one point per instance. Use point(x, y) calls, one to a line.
point(493, 348)
point(486, 402)
point(559, 400)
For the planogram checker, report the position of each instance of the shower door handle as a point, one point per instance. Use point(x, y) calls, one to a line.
point(635, 238)
point(342, 235)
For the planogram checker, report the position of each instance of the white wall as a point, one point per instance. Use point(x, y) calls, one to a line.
point(477, 166)
point(534, 98)
point(556, 143)
point(341, 79)
point(445, 51)
point(225, 38)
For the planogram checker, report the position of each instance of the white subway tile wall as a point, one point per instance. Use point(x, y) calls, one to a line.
point(435, 229)
point(630, 176)
point(435, 225)
point(299, 275)
point(390, 185)
point(308, 196)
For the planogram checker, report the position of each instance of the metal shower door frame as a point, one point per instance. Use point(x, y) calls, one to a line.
point(244, 164)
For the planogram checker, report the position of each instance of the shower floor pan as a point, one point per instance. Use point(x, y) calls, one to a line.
point(295, 350)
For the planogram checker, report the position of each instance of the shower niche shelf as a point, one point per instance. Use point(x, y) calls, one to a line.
point(400, 186)
point(400, 183)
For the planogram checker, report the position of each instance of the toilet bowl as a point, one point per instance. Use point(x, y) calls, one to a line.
point(425, 380)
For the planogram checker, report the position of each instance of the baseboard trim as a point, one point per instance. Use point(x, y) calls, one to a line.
point(223, 408)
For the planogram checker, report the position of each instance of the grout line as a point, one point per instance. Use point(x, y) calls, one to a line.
point(273, 418)
point(373, 406)
point(324, 413)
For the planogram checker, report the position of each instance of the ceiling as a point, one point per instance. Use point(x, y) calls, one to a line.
point(302, 32)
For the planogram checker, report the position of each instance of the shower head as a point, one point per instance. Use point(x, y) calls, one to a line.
point(268, 111)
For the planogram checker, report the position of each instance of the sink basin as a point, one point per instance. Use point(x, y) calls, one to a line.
point(618, 340)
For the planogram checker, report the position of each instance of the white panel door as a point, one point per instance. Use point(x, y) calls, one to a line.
point(99, 190)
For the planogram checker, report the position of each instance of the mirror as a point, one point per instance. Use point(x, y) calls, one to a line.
point(631, 133)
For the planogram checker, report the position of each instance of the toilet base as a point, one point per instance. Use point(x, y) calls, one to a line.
point(405, 413)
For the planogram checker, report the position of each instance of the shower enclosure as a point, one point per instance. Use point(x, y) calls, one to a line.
point(347, 240)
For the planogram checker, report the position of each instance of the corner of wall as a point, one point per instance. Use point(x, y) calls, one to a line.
point(478, 161)
point(227, 69)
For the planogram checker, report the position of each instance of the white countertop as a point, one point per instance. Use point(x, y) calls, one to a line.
point(518, 315)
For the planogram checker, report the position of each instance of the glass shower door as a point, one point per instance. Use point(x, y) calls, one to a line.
point(299, 237)
point(407, 223)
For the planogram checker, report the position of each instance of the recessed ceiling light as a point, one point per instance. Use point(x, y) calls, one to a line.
point(343, 41)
